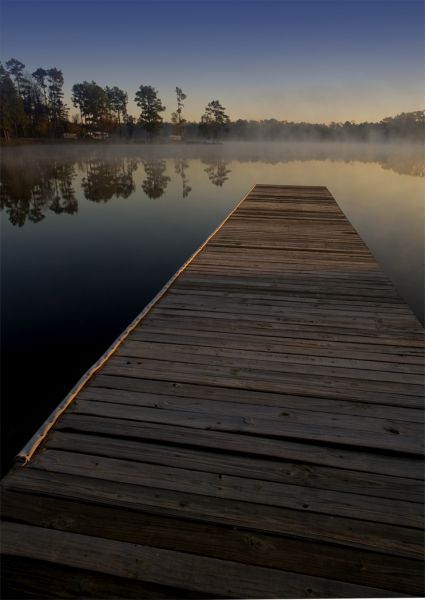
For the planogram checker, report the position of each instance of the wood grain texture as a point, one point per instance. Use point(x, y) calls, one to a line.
point(259, 434)
point(217, 540)
point(189, 571)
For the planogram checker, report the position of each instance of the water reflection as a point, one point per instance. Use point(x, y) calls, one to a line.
point(28, 193)
point(64, 200)
point(217, 171)
point(406, 166)
point(105, 179)
point(156, 182)
point(180, 167)
point(34, 184)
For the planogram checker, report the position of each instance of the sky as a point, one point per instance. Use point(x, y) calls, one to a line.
point(295, 60)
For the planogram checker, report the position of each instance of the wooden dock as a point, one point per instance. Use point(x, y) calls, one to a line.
point(257, 433)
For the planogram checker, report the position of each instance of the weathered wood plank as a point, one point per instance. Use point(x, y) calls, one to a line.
point(191, 572)
point(324, 560)
point(307, 302)
point(265, 380)
point(232, 416)
point(312, 329)
point(347, 481)
point(297, 497)
point(389, 439)
point(375, 371)
point(30, 578)
point(290, 340)
point(302, 451)
point(290, 350)
point(391, 539)
point(267, 400)
point(281, 411)
point(305, 284)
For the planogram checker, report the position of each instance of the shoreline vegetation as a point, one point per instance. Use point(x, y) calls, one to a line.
point(33, 110)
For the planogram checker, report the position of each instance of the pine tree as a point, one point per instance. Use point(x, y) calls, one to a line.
point(214, 121)
point(149, 103)
point(177, 117)
point(12, 115)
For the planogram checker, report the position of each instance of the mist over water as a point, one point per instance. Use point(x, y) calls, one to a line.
point(91, 232)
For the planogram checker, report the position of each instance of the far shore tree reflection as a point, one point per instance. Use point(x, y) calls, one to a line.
point(180, 167)
point(28, 193)
point(405, 166)
point(107, 179)
point(37, 181)
point(217, 171)
point(64, 200)
point(156, 182)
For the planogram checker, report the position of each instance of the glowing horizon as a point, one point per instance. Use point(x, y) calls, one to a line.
point(314, 61)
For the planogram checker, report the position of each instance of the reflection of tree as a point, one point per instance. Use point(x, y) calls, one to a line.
point(106, 179)
point(156, 182)
point(405, 166)
point(402, 159)
point(180, 166)
point(29, 190)
point(64, 200)
point(217, 171)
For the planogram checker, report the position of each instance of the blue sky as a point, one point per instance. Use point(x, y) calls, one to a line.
point(307, 60)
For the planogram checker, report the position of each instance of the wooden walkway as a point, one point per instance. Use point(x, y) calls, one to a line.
point(258, 434)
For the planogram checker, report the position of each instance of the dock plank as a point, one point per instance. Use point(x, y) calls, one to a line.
point(390, 437)
point(347, 481)
point(324, 560)
point(144, 563)
point(306, 452)
point(257, 432)
point(297, 497)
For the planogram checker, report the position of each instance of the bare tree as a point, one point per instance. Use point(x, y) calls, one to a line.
point(177, 117)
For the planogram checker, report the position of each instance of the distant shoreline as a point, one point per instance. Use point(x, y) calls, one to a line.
point(117, 141)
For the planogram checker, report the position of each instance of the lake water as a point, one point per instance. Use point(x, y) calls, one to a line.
point(90, 233)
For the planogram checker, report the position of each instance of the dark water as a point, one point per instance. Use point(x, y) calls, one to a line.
point(91, 233)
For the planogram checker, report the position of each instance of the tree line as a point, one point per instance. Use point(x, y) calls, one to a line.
point(409, 126)
point(32, 105)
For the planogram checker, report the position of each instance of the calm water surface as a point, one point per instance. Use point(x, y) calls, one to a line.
point(91, 233)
